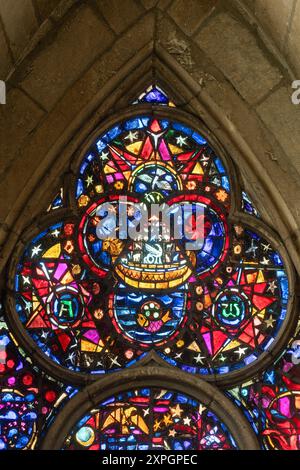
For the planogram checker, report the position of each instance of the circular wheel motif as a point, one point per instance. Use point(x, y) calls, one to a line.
point(65, 307)
point(231, 308)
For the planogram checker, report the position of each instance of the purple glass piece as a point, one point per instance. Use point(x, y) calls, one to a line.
point(156, 96)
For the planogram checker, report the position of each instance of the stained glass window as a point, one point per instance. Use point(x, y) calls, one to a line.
point(272, 401)
point(154, 94)
point(150, 419)
point(151, 250)
point(97, 305)
point(29, 400)
point(248, 206)
point(58, 200)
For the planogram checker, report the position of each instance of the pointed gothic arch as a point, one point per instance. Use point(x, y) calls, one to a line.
point(151, 376)
point(193, 98)
point(71, 212)
point(110, 102)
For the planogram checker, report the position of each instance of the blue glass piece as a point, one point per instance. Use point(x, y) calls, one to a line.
point(199, 139)
point(149, 318)
point(156, 96)
point(219, 165)
point(80, 188)
point(248, 206)
point(225, 183)
point(136, 123)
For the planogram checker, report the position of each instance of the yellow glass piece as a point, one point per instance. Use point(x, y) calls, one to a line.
point(167, 419)
point(231, 345)
point(221, 195)
point(260, 314)
point(194, 347)
point(109, 170)
point(237, 249)
point(91, 347)
point(135, 147)
point(207, 301)
point(69, 247)
point(98, 314)
point(251, 278)
point(53, 252)
point(181, 280)
point(175, 150)
point(67, 278)
point(127, 174)
point(35, 303)
point(260, 277)
point(156, 425)
point(99, 188)
point(197, 169)
point(126, 417)
point(83, 200)
point(119, 185)
point(191, 185)
point(37, 308)
point(76, 269)
point(199, 290)
point(113, 246)
point(161, 285)
point(130, 276)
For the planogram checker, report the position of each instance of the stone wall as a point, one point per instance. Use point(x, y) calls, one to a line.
point(70, 64)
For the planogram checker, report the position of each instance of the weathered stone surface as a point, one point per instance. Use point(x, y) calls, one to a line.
point(76, 45)
point(75, 99)
point(62, 9)
point(18, 118)
point(107, 66)
point(172, 39)
point(5, 58)
point(19, 21)
point(185, 51)
point(190, 13)
point(72, 73)
point(126, 47)
point(282, 117)
point(293, 44)
point(250, 4)
point(235, 51)
point(254, 133)
point(119, 15)
point(161, 4)
point(275, 20)
point(45, 7)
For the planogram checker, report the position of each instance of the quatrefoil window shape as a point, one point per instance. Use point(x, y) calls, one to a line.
point(95, 305)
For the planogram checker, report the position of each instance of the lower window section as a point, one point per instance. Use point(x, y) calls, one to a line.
point(148, 419)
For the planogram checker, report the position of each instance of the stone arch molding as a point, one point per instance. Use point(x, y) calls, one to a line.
point(192, 90)
point(151, 376)
point(265, 180)
point(229, 118)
